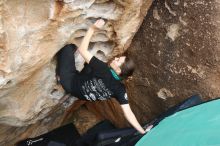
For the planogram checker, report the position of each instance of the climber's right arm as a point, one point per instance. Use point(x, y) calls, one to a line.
point(83, 49)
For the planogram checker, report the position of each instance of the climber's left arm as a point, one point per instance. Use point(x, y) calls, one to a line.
point(129, 115)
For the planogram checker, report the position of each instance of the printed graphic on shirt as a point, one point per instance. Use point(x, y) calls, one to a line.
point(95, 89)
point(126, 96)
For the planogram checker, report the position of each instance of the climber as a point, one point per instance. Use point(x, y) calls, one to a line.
point(97, 80)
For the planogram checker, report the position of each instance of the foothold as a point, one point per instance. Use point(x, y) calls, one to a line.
point(9, 82)
point(100, 52)
point(53, 91)
point(173, 32)
point(164, 94)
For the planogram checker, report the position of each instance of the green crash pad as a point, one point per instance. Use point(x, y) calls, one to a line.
point(196, 126)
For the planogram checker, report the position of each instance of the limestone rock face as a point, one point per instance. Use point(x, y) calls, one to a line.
point(32, 32)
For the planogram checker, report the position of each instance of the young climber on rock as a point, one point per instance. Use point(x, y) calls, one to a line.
point(98, 80)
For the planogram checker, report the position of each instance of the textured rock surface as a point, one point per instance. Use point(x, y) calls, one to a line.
point(32, 32)
point(176, 51)
point(177, 54)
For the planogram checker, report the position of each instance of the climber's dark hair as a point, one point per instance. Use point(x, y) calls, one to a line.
point(127, 68)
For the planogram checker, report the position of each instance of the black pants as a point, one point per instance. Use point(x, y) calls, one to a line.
point(66, 68)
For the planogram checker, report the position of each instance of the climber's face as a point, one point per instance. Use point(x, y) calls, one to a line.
point(116, 63)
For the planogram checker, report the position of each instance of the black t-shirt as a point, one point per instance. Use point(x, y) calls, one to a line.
point(96, 82)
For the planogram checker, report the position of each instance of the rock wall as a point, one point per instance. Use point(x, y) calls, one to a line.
point(177, 55)
point(31, 33)
point(176, 51)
